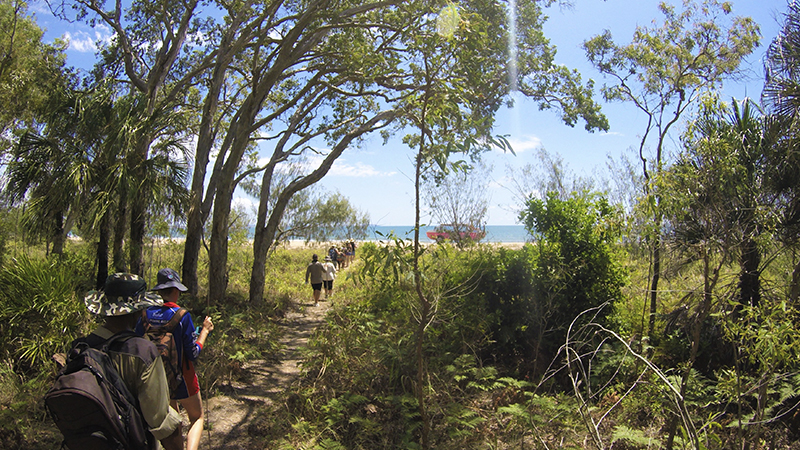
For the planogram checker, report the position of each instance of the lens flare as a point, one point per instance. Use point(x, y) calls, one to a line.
point(448, 20)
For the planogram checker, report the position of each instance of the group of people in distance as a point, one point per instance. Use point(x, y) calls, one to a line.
point(126, 305)
point(343, 256)
point(322, 275)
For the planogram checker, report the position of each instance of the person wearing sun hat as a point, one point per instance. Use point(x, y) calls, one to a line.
point(137, 360)
point(188, 346)
point(328, 276)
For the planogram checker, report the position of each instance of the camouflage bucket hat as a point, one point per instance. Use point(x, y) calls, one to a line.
point(122, 294)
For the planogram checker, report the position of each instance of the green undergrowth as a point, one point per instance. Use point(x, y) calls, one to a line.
point(486, 387)
point(510, 360)
point(42, 311)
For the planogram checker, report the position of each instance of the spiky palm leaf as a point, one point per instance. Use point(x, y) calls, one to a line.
point(781, 94)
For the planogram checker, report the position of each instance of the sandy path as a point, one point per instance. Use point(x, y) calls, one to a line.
point(232, 415)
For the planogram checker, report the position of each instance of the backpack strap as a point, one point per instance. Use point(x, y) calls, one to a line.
point(169, 326)
point(176, 318)
point(95, 342)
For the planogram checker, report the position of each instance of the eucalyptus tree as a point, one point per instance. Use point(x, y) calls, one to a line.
point(298, 82)
point(662, 72)
point(30, 70)
point(335, 71)
point(333, 218)
point(703, 187)
point(247, 24)
point(312, 214)
point(780, 99)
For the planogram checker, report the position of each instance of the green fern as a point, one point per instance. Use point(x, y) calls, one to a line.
point(330, 444)
point(462, 422)
point(637, 437)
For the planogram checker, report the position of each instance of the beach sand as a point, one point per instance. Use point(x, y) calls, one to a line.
point(298, 244)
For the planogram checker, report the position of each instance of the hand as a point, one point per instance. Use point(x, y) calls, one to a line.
point(173, 441)
point(208, 324)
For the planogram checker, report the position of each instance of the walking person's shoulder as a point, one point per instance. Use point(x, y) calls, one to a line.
point(135, 346)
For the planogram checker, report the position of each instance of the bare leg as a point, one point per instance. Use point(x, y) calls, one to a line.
point(194, 409)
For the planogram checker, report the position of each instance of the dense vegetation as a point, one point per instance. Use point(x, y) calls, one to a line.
point(667, 321)
point(537, 347)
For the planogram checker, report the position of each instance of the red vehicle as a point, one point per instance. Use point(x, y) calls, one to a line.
point(456, 233)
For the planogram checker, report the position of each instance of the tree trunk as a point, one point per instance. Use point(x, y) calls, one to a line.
point(218, 251)
point(262, 241)
point(196, 219)
point(102, 250)
point(749, 278)
point(120, 228)
point(223, 196)
point(191, 250)
point(266, 235)
point(794, 292)
point(424, 303)
point(59, 236)
point(200, 201)
point(709, 283)
point(654, 283)
point(136, 248)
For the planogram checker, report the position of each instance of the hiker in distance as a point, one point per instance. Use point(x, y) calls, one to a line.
point(314, 273)
point(170, 318)
point(137, 360)
point(328, 275)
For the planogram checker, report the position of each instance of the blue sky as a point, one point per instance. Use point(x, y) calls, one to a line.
point(378, 179)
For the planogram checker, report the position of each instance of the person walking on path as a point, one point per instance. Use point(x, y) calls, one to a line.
point(314, 273)
point(332, 252)
point(188, 346)
point(341, 260)
point(328, 276)
point(136, 359)
point(350, 248)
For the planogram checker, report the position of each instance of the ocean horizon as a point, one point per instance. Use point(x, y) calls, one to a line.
point(494, 233)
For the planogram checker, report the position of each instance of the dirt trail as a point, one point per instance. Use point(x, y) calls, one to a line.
point(231, 414)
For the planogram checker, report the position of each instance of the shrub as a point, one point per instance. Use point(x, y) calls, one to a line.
point(40, 309)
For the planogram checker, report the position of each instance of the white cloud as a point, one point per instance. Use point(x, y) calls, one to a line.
point(40, 8)
point(344, 169)
point(525, 143)
point(83, 42)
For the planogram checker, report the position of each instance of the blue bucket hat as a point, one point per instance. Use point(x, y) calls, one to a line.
point(168, 278)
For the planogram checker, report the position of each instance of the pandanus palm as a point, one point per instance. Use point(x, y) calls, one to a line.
point(158, 182)
point(781, 98)
point(51, 170)
point(78, 169)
